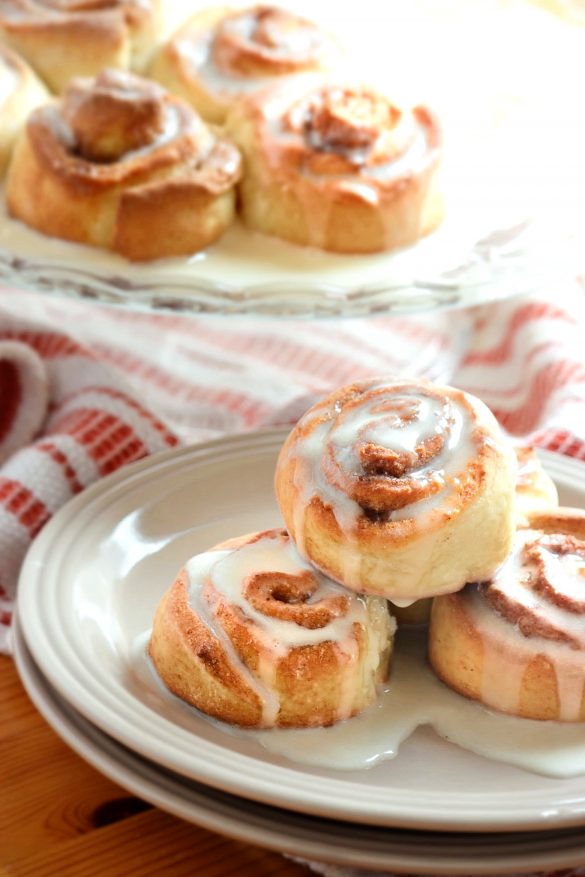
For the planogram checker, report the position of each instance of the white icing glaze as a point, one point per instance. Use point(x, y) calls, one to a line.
point(566, 573)
point(171, 129)
point(507, 652)
point(227, 572)
point(365, 181)
point(9, 80)
point(196, 50)
point(413, 697)
point(346, 433)
point(198, 569)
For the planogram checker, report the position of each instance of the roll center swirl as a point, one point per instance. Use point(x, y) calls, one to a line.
point(397, 445)
point(559, 564)
point(285, 596)
point(342, 119)
point(116, 115)
point(272, 37)
point(278, 29)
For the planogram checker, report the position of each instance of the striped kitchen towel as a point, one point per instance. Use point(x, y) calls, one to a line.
point(85, 389)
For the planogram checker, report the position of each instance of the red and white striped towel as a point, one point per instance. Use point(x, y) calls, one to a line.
point(120, 385)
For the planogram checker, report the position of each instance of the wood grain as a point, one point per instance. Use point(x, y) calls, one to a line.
point(61, 818)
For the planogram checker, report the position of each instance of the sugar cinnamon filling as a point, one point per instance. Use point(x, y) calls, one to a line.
point(346, 129)
point(398, 441)
point(265, 41)
point(113, 115)
point(286, 595)
point(543, 587)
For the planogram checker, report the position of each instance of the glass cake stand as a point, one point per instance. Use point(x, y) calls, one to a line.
point(513, 147)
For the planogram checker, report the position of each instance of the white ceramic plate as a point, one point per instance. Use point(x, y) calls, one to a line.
point(88, 591)
point(380, 849)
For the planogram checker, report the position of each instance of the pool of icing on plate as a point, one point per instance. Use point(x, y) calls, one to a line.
point(414, 697)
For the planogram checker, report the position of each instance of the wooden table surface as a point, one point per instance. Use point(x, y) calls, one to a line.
point(60, 818)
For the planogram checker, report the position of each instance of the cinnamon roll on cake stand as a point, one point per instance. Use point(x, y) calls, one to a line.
point(76, 38)
point(120, 163)
point(250, 634)
point(221, 54)
point(385, 485)
point(336, 166)
point(516, 641)
point(22, 91)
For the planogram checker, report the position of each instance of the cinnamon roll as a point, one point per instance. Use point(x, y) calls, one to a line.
point(20, 92)
point(336, 167)
point(117, 162)
point(516, 642)
point(399, 488)
point(220, 54)
point(66, 38)
point(535, 489)
point(251, 634)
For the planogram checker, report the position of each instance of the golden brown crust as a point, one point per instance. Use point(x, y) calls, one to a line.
point(222, 661)
point(79, 39)
point(357, 526)
point(418, 614)
point(535, 489)
point(219, 54)
point(337, 167)
point(22, 92)
point(119, 163)
point(519, 654)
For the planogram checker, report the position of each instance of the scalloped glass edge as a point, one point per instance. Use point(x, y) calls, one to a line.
point(518, 259)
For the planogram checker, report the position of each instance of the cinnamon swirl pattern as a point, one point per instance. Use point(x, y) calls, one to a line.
point(117, 162)
point(221, 54)
point(20, 92)
point(535, 490)
point(337, 167)
point(399, 488)
point(65, 38)
point(249, 633)
point(516, 642)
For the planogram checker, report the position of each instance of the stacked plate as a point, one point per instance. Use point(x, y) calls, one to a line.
point(87, 596)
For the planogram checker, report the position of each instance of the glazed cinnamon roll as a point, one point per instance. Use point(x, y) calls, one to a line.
point(535, 489)
point(249, 633)
point(221, 54)
point(399, 488)
point(120, 163)
point(66, 38)
point(516, 642)
point(20, 92)
point(336, 167)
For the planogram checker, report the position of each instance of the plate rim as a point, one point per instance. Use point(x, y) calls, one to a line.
point(289, 792)
point(107, 756)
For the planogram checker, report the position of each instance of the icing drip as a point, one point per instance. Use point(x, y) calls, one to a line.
point(245, 50)
point(414, 698)
point(533, 607)
point(392, 452)
point(287, 604)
